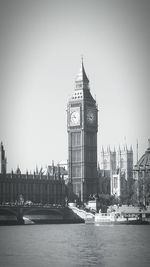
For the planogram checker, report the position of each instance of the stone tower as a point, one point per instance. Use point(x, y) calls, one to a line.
point(142, 178)
point(125, 161)
point(108, 160)
point(82, 125)
point(3, 159)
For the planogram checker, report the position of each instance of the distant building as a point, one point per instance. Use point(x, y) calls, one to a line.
point(125, 162)
point(116, 171)
point(142, 178)
point(108, 160)
point(3, 159)
point(40, 187)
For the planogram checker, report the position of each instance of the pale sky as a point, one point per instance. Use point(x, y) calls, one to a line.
point(41, 43)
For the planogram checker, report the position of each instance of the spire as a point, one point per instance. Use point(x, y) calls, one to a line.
point(82, 80)
point(125, 144)
point(149, 143)
point(2, 151)
point(148, 149)
point(3, 160)
point(125, 147)
point(137, 150)
point(98, 166)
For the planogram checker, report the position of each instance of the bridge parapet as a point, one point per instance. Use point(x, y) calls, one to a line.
point(41, 214)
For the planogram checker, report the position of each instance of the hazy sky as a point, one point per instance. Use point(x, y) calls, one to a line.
point(41, 43)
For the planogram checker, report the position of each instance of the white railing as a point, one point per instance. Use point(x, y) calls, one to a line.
point(83, 214)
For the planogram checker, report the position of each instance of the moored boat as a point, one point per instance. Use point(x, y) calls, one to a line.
point(118, 218)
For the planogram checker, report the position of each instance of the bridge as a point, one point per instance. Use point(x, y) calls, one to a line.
point(19, 214)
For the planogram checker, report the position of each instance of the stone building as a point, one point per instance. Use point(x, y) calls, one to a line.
point(117, 168)
point(82, 124)
point(142, 178)
point(108, 159)
point(39, 187)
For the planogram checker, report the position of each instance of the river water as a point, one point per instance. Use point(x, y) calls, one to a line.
point(75, 245)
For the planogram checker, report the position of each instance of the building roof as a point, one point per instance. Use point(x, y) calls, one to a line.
point(144, 161)
point(81, 76)
point(82, 90)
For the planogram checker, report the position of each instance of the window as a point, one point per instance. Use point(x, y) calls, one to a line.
point(76, 171)
point(91, 139)
point(76, 156)
point(90, 173)
point(122, 163)
point(105, 164)
point(76, 139)
point(91, 155)
point(115, 182)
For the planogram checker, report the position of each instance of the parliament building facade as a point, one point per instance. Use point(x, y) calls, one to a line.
point(36, 187)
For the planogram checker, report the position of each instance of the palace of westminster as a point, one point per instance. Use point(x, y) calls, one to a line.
point(84, 177)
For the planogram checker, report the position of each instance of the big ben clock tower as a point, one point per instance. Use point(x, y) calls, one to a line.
point(82, 125)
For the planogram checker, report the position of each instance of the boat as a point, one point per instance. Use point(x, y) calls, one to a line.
point(90, 218)
point(118, 218)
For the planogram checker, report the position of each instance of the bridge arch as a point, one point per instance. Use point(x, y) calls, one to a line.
point(8, 216)
point(8, 211)
point(43, 214)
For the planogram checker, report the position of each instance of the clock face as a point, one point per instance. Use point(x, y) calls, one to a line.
point(75, 117)
point(91, 116)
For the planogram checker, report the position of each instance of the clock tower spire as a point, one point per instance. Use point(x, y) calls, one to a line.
point(82, 129)
point(82, 81)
